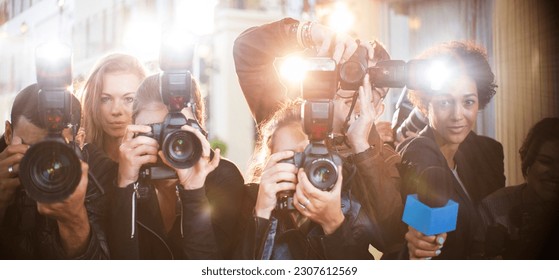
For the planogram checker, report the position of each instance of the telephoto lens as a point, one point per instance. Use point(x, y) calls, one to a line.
point(50, 171)
point(354, 69)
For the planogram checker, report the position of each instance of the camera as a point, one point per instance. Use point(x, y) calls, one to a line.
point(50, 170)
point(386, 73)
point(407, 118)
point(319, 163)
point(182, 149)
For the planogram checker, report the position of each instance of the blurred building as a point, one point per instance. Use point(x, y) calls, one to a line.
point(520, 37)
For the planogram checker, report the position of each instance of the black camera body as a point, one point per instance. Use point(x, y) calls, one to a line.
point(319, 163)
point(386, 73)
point(50, 170)
point(182, 149)
point(353, 71)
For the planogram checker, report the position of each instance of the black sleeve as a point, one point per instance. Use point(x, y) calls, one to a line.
point(225, 193)
point(123, 231)
point(199, 242)
point(379, 191)
point(348, 242)
point(254, 53)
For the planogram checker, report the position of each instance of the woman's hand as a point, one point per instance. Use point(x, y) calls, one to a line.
point(323, 37)
point(276, 177)
point(421, 246)
point(364, 116)
point(135, 152)
point(322, 207)
point(194, 177)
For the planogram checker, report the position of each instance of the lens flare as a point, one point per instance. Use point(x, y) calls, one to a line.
point(438, 75)
point(341, 19)
point(293, 69)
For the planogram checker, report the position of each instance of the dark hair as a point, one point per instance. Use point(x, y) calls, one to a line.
point(543, 131)
point(288, 114)
point(91, 95)
point(471, 60)
point(149, 92)
point(380, 52)
point(26, 104)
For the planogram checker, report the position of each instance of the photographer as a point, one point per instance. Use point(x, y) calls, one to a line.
point(472, 164)
point(107, 98)
point(191, 216)
point(67, 229)
point(324, 224)
point(356, 137)
point(523, 221)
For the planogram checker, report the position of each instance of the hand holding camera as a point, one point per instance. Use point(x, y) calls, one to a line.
point(9, 168)
point(322, 207)
point(134, 153)
point(71, 216)
point(364, 117)
point(338, 46)
point(194, 177)
point(277, 183)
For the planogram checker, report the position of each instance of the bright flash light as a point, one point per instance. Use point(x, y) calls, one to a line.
point(341, 18)
point(142, 38)
point(195, 15)
point(53, 51)
point(438, 75)
point(177, 40)
point(293, 69)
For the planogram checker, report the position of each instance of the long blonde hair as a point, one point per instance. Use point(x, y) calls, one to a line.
point(92, 90)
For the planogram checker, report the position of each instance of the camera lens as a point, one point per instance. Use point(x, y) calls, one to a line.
point(322, 173)
point(352, 72)
point(53, 168)
point(182, 149)
point(50, 171)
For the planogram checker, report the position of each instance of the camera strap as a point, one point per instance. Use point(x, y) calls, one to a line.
point(337, 141)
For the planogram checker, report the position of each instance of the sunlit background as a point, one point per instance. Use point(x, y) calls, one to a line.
point(520, 37)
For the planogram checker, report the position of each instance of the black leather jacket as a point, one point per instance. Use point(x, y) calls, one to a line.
point(206, 226)
point(520, 225)
point(480, 167)
point(25, 234)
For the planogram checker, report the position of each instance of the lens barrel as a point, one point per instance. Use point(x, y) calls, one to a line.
point(182, 149)
point(322, 173)
point(50, 171)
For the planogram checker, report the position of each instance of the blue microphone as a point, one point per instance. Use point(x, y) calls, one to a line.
point(431, 211)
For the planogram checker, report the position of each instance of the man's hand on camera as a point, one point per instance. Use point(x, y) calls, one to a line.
point(323, 37)
point(322, 207)
point(9, 169)
point(135, 152)
point(276, 177)
point(71, 216)
point(194, 177)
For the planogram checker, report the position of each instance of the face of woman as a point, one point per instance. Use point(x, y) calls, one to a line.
point(117, 97)
point(453, 112)
point(543, 174)
point(289, 138)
